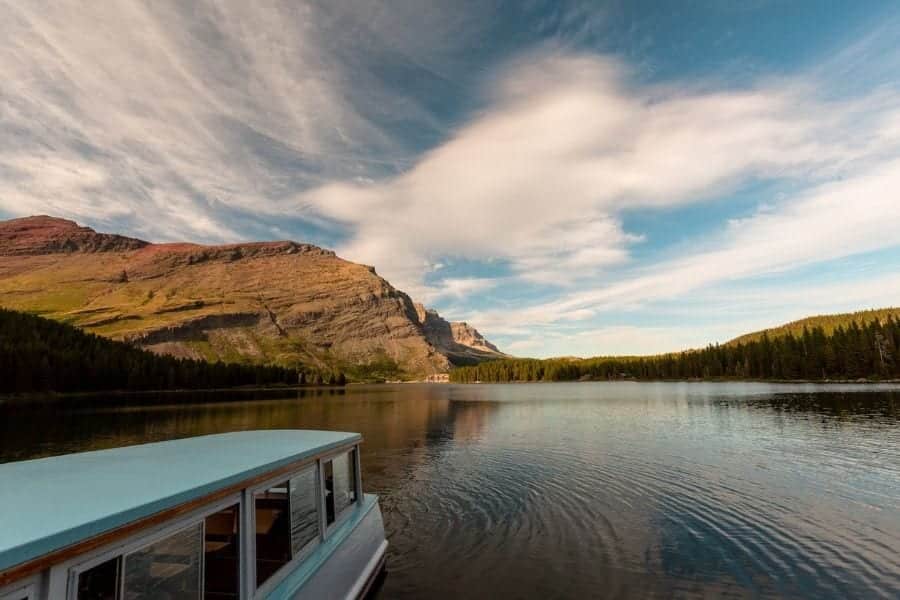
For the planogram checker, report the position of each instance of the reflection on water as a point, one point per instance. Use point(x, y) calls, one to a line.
point(564, 490)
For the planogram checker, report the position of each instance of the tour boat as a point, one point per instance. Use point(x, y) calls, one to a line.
point(172, 521)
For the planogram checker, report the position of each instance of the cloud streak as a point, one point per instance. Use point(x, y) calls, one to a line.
point(156, 116)
point(542, 178)
point(838, 219)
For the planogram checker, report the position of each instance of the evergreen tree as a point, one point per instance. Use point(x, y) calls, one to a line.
point(38, 354)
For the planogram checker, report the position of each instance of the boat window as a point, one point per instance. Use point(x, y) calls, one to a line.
point(273, 531)
point(221, 552)
point(340, 484)
point(169, 568)
point(328, 475)
point(25, 593)
point(304, 509)
point(100, 582)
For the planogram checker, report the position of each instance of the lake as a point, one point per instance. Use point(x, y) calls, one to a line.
point(577, 490)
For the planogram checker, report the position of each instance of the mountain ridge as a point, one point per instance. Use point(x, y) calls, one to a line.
point(828, 322)
point(278, 302)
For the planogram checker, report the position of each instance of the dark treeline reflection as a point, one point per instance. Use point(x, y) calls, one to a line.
point(867, 350)
point(624, 489)
point(834, 405)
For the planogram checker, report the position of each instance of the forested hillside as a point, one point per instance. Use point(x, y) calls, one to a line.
point(38, 354)
point(859, 350)
point(828, 323)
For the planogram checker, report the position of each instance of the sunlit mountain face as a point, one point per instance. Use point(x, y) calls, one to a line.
point(573, 178)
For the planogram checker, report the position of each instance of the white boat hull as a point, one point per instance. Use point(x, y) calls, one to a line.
point(350, 568)
point(350, 571)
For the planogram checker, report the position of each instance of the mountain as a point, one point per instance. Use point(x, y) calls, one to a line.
point(459, 342)
point(827, 322)
point(281, 302)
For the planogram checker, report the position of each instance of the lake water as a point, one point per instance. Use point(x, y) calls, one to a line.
point(583, 489)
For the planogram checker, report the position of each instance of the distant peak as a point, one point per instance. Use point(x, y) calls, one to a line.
point(39, 222)
point(43, 234)
point(461, 342)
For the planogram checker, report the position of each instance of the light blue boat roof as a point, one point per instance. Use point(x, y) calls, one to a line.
point(50, 503)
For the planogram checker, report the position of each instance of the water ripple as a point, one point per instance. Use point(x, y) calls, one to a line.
point(588, 490)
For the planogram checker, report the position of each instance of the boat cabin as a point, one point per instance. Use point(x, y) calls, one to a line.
point(256, 514)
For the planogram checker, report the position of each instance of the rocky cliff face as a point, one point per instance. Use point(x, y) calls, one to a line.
point(462, 344)
point(276, 302)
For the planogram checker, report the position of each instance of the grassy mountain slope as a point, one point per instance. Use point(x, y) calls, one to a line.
point(827, 322)
point(280, 303)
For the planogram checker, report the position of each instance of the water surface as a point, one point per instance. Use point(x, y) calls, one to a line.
point(578, 490)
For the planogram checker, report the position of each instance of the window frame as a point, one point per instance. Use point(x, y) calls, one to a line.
point(19, 590)
point(252, 590)
point(74, 572)
point(325, 530)
point(72, 569)
point(307, 548)
point(357, 482)
point(148, 542)
point(235, 500)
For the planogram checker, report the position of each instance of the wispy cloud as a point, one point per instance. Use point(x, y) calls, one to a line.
point(838, 219)
point(458, 288)
point(156, 116)
point(541, 179)
point(707, 316)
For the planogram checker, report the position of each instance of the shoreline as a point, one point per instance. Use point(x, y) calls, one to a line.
point(51, 396)
point(706, 380)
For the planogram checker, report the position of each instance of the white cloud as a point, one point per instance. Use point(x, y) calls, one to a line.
point(746, 308)
point(457, 288)
point(540, 179)
point(610, 340)
point(161, 117)
point(838, 219)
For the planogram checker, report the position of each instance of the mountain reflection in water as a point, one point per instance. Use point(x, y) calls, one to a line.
point(565, 490)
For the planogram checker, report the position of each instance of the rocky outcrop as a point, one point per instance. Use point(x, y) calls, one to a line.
point(270, 302)
point(468, 336)
point(461, 343)
point(49, 235)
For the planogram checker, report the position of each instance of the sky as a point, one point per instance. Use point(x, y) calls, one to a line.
point(571, 178)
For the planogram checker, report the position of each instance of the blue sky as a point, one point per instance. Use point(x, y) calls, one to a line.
point(573, 178)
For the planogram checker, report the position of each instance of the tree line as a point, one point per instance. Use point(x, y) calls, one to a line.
point(859, 350)
point(38, 355)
